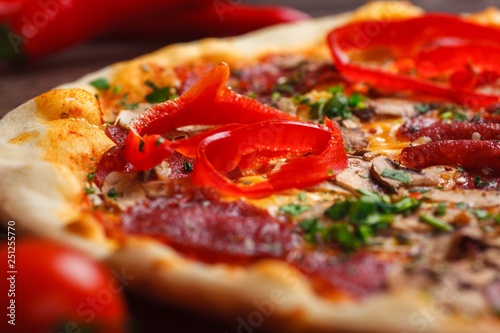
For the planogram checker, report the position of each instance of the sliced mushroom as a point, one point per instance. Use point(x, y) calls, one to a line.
point(354, 138)
point(122, 189)
point(393, 175)
point(357, 176)
point(393, 107)
point(473, 198)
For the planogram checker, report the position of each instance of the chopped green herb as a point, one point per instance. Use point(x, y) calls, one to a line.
point(399, 175)
point(478, 182)
point(159, 95)
point(311, 228)
point(481, 214)
point(356, 220)
point(89, 190)
point(440, 209)
point(117, 89)
point(302, 197)
point(126, 105)
point(100, 84)
point(339, 105)
point(294, 209)
point(112, 193)
point(252, 95)
point(141, 146)
point(422, 107)
point(496, 219)
point(91, 176)
point(460, 169)
point(436, 223)
point(187, 166)
point(275, 96)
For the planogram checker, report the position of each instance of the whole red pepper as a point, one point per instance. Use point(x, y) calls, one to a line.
point(411, 38)
point(35, 28)
point(222, 19)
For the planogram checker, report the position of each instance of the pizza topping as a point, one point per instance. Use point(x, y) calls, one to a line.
point(202, 226)
point(444, 130)
point(417, 47)
point(358, 275)
point(318, 148)
point(469, 154)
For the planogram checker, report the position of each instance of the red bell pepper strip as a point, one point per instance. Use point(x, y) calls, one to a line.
point(406, 39)
point(209, 102)
point(220, 154)
point(469, 154)
point(221, 19)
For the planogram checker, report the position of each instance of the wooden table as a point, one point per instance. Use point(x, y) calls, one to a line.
point(18, 84)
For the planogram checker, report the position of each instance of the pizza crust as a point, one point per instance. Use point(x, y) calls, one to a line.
point(43, 169)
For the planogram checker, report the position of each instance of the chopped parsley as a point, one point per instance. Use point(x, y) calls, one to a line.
point(440, 209)
point(354, 221)
point(159, 141)
point(399, 175)
point(129, 106)
point(100, 84)
point(338, 105)
point(451, 113)
point(422, 107)
point(159, 94)
point(90, 190)
point(141, 146)
point(113, 194)
point(437, 223)
point(187, 166)
point(91, 176)
point(294, 209)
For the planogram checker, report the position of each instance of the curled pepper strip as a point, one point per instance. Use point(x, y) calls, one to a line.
point(208, 102)
point(406, 39)
point(319, 155)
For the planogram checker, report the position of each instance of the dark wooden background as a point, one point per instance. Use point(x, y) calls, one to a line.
point(18, 84)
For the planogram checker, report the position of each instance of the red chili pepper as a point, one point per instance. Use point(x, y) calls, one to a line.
point(469, 154)
point(209, 102)
point(410, 38)
point(222, 153)
point(35, 28)
point(221, 19)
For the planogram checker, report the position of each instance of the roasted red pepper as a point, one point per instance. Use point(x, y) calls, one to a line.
point(415, 41)
point(317, 154)
point(35, 28)
point(209, 102)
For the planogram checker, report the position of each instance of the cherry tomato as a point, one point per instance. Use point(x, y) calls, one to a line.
point(49, 288)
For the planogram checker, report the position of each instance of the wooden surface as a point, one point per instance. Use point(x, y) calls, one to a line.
point(18, 84)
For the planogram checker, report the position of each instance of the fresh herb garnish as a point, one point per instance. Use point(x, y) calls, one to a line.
point(440, 209)
point(113, 194)
point(91, 176)
point(100, 84)
point(141, 146)
point(338, 105)
point(187, 166)
point(422, 107)
point(129, 106)
point(294, 209)
point(353, 221)
point(90, 190)
point(436, 223)
point(399, 175)
point(159, 94)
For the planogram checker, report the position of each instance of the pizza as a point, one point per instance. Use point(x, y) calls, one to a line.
point(340, 174)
